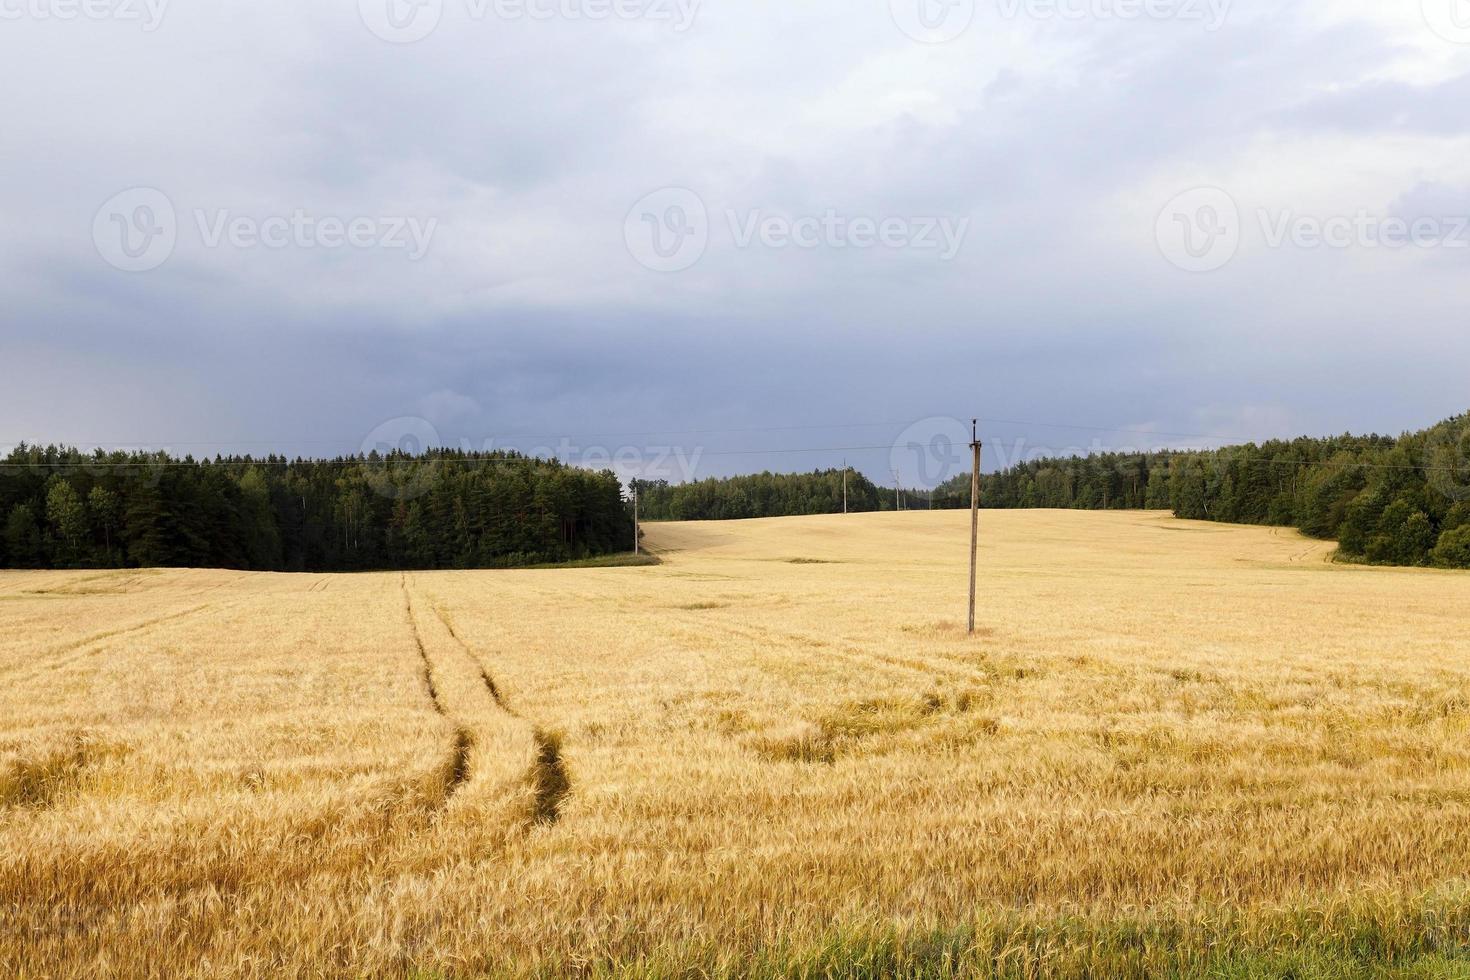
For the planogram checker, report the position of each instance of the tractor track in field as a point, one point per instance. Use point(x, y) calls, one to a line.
point(457, 768)
point(548, 777)
point(242, 577)
point(948, 667)
point(85, 643)
point(479, 664)
point(113, 582)
point(1314, 550)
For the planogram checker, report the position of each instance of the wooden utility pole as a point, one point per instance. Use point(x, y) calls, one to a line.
point(974, 517)
point(844, 486)
point(637, 545)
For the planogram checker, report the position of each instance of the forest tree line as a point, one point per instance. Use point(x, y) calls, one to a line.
point(1388, 500)
point(735, 498)
point(758, 495)
point(442, 509)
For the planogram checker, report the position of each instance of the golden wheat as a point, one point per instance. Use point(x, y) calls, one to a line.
point(1174, 746)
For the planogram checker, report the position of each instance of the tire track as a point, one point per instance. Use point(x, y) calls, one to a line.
point(242, 577)
point(548, 778)
point(90, 641)
point(550, 783)
point(935, 666)
point(120, 580)
point(456, 772)
point(479, 665)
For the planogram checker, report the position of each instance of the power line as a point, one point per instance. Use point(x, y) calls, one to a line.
point(1123, 431)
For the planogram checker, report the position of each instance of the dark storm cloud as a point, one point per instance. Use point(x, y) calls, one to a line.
point(529, 321)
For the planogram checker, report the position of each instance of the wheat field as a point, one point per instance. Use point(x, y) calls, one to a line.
point(1173, 749)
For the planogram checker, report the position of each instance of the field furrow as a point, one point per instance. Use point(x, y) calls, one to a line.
point(42, 662)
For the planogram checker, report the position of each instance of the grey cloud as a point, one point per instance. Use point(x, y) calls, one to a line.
point(529, 143)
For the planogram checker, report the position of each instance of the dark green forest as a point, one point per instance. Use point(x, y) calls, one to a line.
point(759, 495)
point(443, 509)
point(1401, 500)
point(1388, 500)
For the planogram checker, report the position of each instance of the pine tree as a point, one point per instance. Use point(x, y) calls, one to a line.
point(144, 533)
point(23, 545)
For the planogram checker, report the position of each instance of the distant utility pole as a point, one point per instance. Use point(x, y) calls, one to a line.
point(637, 546)
point(844, 486)
point(974, 517)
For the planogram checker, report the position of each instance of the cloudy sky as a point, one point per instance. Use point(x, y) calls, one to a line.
point(719, 236)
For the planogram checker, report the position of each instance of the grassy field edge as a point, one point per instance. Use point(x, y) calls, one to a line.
point(1365, 938)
